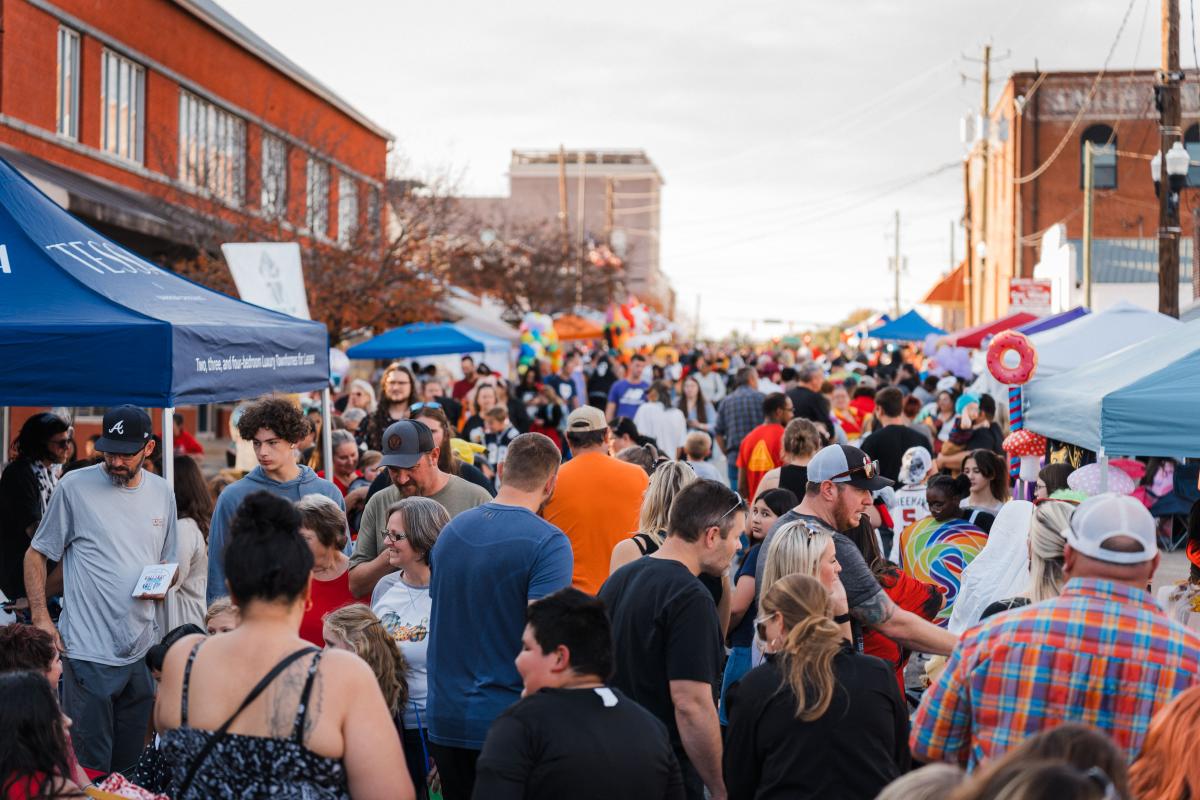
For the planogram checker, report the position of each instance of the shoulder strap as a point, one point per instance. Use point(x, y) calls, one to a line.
point(642, 541)
point(187, 679)
point(223, 731)
point(302, 709)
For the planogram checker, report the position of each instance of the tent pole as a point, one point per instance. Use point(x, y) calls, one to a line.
point(168, 444)
point(326, 433)
point(5, 424)
point(1103, 470)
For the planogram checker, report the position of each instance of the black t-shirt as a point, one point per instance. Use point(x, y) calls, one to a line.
point(989, 438)
point(665, 628)
point(561, 743)
point(743, 634)
point(810, 405)
point(20, 507)
point(794, 479)
point(858, 746)
point(888, 445)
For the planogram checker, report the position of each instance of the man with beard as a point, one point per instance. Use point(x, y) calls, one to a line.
point(411, 458)
point(840, 481)
point(105, 523)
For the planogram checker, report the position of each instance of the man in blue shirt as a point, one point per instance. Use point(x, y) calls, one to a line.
point(487, 565)
point(627, 395)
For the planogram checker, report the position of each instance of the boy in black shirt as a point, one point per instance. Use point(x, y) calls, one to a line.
point(571, 735)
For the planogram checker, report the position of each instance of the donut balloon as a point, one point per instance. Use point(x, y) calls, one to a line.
point(1011, 358)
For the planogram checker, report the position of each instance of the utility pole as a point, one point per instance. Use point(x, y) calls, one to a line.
point(1170, 132)
point(696, 321)
point(985, 116)
point(1089, 198)
point(896, 266)
point(564, 232)
point(581, 210)
point(608, 211)
point(953, 265)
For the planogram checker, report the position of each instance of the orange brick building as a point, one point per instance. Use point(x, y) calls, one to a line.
point(164, 123)
point(1037, 127)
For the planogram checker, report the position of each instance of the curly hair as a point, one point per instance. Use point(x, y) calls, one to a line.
point(278, 415)
point(25, 647)
point(358, 627)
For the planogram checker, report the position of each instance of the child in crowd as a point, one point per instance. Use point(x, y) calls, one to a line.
point(498, 433)
point(222, 616)
point(697, 447)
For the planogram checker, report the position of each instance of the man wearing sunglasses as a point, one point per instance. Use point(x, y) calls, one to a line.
point(840, 482)
point(667, 644)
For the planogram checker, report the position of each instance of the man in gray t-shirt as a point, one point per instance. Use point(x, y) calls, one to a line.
point(105, 524)
point(840, 481)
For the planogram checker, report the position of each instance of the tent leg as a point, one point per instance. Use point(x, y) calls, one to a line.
point(5, 424)
point(1103, 471)
point(168, 440)
point(326, 432)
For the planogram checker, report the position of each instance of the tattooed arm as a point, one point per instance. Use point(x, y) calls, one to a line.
point(903, 627)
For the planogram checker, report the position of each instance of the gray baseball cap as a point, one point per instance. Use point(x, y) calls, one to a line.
point(404, 442)
point(842, 463)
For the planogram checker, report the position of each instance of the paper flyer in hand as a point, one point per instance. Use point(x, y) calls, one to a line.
point(154, 581)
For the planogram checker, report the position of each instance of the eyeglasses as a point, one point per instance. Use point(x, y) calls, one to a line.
point(394, 538)
point(419, 406)
point(739, 504)
point(760, 625)
point(869, 469)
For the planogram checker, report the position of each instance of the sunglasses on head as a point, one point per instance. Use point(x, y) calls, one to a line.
point(740, 502)
point(1041, 500)
point(869, 469)
point(760, 626)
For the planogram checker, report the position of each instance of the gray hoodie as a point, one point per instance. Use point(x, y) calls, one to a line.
point(231, 498)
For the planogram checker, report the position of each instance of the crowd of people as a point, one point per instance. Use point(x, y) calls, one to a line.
point(726, 574)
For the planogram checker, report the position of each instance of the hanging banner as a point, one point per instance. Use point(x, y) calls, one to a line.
point(269, 274)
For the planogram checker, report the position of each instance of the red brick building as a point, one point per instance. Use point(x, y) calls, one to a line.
point(1038, 126)
point(164, 123)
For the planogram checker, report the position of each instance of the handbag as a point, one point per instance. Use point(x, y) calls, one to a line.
point(223, 731)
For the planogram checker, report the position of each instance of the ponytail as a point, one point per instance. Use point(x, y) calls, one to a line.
point(812, 641)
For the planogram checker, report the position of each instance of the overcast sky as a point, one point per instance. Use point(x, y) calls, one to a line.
point(788, 133)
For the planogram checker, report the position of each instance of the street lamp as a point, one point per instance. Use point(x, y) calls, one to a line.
point(1178, 161)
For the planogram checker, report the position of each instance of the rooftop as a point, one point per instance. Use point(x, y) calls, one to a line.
point(1129, 260)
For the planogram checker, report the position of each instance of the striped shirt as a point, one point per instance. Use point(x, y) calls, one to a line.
point(1102, 654)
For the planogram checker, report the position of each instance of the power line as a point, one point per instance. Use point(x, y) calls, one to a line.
point(1087, 101)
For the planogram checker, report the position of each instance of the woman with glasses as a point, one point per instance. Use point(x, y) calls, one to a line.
point(403, 604)
point(816, 719)
point(323, 527)
point(41, 448)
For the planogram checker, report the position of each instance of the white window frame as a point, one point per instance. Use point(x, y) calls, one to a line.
point(273, 177)
point(212, 149)
point(122, 106)
point(66, 122)
point(316, 196)
point(347, 209)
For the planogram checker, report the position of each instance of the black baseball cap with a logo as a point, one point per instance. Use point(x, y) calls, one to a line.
point(404, 442)
point(125, 430)
point(842, 463)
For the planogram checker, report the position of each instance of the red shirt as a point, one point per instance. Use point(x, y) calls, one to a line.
point(186, 444)
point(461, 389)
point(759, 454)
point(326, 596)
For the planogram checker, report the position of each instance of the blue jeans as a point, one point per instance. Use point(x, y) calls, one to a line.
point(731, 468)
point(737, 665)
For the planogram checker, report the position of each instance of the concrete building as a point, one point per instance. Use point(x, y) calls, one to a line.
point(1029, 185)
point(621, 205)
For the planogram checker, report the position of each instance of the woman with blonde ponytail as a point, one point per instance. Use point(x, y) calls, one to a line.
point(816, 719)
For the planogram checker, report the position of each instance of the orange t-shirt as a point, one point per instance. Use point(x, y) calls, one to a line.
point(596, 504)
point(759, 454)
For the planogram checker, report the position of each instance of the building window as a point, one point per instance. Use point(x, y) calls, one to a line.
point(1191, 143)
point(1104, 156)
point(122, 106)
point(316, 196)
point(347, 209)
point(212, 149)
point(67, 122)
point(373, 211)
point(274, 177)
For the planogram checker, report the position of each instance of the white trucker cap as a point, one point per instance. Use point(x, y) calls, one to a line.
point(1104, 516)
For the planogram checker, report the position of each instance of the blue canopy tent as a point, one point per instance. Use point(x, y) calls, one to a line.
point(86, 322)
point(420, 339)
point(910, 327)
point(1136, 401)
point(1052, 321)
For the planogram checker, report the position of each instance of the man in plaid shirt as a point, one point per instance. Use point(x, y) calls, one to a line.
point(1102, 653)
point(740, 413)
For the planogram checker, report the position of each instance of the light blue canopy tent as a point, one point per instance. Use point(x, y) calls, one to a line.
point(910, 327)
point(422, 339)
point(1137, 401)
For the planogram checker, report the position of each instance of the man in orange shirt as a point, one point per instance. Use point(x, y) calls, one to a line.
point(759, 451)
point(597, 499)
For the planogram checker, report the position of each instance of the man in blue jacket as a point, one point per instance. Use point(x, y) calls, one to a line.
point(272, 425)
